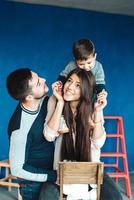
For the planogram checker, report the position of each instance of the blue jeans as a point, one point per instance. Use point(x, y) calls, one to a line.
point(49, 191)
point(109, 189)
point(29, 190)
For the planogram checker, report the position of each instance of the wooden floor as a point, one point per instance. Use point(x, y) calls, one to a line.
point(5, 195)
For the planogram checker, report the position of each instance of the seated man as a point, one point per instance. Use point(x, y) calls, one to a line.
point(30, 154)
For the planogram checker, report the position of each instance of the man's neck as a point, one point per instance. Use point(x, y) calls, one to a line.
point(31, 105)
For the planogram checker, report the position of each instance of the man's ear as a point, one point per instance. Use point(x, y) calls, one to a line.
point(29, 97)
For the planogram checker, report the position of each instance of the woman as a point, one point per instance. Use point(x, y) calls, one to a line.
point(84, 119)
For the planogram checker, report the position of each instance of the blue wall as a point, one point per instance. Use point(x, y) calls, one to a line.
point(41, 37)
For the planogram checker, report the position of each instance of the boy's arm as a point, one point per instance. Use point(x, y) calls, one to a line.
point(62, 79)
point(99, 76)
point(70, 66)
point(100, 87)
point(99, 73)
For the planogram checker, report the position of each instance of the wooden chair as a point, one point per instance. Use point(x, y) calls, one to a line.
point(81, 173)
point(7, 180)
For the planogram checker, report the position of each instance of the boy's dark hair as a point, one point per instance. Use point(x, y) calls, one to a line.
point(82, 49)
point(18, 83)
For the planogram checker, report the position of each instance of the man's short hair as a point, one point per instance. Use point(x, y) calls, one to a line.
point(18, 83)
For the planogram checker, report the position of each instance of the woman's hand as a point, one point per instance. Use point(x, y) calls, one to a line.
point(101, 101)
point(57, 90)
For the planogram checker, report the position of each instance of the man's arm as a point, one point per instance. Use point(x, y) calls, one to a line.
point(19, 166)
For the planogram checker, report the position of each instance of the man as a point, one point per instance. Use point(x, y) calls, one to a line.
point(30, 155)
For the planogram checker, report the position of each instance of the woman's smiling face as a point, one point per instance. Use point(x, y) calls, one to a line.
point(72, 89)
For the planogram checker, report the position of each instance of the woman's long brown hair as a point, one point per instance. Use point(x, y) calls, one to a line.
point(79, 125)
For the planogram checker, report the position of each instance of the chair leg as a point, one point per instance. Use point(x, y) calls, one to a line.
point(6, 175)
point(9, 187)
point(98, 192)
point(19, 196)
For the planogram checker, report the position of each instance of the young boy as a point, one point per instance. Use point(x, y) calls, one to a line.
point(85, 58)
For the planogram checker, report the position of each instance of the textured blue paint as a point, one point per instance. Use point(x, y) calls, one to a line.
point(41, 37)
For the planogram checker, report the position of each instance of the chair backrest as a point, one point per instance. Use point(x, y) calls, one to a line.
point(81, 173)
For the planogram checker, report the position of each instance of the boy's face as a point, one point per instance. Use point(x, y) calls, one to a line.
point(87, 64)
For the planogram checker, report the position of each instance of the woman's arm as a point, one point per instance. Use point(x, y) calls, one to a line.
point(55, 107)
point(98, 120)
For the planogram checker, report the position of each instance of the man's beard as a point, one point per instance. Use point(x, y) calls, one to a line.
point(38, 98)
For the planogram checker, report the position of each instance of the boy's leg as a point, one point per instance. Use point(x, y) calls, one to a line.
point(49, 191)
point(29, 190)
point(109, 189)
